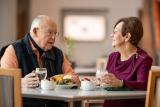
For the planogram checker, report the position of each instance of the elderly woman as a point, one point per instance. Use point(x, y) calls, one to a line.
point(129, 66)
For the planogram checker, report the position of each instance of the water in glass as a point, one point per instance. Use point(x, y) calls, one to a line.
point(99, 74)
point(42, 73)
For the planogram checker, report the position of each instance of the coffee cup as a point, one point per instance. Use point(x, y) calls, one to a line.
point(47, 85)
point(87, 85)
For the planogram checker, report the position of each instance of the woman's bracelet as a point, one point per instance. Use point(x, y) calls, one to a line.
point(122, 83)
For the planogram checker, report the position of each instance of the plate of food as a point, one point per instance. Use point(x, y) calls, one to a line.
point(63, 81)
point(66, 86)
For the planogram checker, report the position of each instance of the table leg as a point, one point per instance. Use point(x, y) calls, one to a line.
point(74, 103)
point(70, 104)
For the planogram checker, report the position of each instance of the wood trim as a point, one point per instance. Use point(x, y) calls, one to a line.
point(90, 103)
point(23, 12)
point(70, 104)
point(156, 15)
point(16, 73)
point(153, 75)
point(148, 36)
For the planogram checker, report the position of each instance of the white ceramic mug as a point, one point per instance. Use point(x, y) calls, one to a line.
point(87, 85)
point(47, 85)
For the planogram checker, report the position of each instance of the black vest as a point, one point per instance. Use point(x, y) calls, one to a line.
point(27, 60)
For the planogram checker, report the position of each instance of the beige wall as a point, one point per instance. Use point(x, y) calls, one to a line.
point(85, 54)
point(7, 21)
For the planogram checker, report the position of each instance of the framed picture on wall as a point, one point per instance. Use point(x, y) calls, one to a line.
point(84, 25)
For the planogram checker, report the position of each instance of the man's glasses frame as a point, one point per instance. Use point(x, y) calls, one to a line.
point(50, 33)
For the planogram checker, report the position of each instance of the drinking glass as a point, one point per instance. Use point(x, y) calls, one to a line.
point(42, 73)
point(99, 74)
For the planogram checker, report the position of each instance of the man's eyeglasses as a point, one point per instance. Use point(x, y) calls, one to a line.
point(51, 33)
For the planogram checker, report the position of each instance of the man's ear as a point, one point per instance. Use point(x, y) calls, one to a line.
point(127, 37)
point(35, 31)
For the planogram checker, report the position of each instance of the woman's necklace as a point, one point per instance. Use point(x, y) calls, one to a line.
point(130, 55)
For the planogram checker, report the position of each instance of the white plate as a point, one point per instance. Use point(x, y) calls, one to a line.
point(87, 89)
point(65, 86)
point(105, 86)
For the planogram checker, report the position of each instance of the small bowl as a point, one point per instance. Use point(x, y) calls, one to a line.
point(87, 85)
point(47, 85)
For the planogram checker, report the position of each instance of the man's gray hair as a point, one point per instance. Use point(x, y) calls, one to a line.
point(37, 21)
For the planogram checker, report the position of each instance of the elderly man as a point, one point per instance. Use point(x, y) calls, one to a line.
point(36, 50)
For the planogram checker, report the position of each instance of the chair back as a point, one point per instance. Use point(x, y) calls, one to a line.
point(10, 88)
point(153, 88)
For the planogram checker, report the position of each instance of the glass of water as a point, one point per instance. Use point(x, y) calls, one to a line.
point(42, 73)
point(99, 74)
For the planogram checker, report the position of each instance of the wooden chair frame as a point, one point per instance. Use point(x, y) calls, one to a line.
point(89, 103)
point(16, 74)
point(154, 74)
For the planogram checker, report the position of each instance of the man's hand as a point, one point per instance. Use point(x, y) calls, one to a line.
point(75, 79)
point(30, 80)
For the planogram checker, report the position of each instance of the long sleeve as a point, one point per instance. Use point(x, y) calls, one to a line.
point(134, 71)
point(9, 59)
point(67, 69)
point(141, 77)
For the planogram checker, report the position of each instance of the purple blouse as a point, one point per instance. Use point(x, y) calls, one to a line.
point(134, 73)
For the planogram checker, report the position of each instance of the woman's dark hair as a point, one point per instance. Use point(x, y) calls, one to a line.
point(133, 26)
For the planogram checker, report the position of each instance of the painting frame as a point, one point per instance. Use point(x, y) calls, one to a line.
point(87, 34)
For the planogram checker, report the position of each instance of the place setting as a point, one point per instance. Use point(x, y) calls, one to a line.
point(44, 84)
point(64, 81)
point(95, 83)
point(60, 81)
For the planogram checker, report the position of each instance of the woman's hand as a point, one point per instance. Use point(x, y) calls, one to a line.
point(111, 80)
point(30, 80)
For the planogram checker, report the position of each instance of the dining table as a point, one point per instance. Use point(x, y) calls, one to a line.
point(73, 95)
